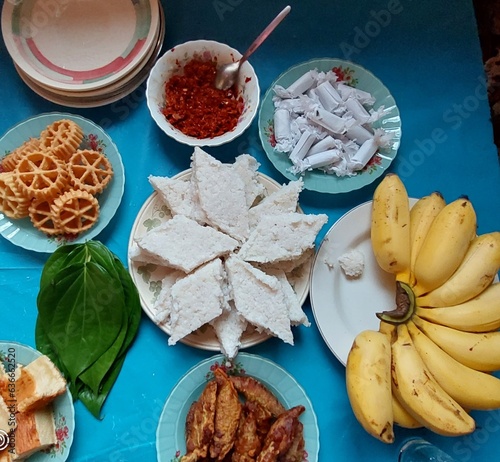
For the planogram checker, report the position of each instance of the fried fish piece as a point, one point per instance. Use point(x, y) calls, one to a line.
point(263, 417)
point(200, 424)
point(253, 390)
point(297, 448)
point(227, 416)
point(281, 435)
point(247, 444)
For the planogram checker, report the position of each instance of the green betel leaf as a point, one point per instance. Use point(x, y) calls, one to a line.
point(93, 376)
point(45, 346)
point(88, 315)
point(81, 312)
point(95, 401)
point(70, 254)
point(132, 303)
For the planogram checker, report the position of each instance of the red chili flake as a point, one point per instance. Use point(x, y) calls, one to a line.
point(195, 107)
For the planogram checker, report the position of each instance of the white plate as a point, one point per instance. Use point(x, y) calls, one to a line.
point(12, 353)
point(21, 232)
point(79, 45)
point(170, 435)
point(148, 278)
point(343, 306)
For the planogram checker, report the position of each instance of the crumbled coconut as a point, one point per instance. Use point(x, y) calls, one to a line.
point(352, 263)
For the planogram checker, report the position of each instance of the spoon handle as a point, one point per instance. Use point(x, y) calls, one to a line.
point(265, 33)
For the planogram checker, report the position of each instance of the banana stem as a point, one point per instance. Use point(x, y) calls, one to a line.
point(405, 304)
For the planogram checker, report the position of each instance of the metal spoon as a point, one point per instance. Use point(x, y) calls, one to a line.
point(228, 73)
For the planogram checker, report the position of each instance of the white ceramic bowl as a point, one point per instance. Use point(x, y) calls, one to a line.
point(168, 64)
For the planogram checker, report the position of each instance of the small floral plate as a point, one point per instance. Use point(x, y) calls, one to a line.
point(13, 354)
point(21, 232)
point(170, 434)
point(356, 76)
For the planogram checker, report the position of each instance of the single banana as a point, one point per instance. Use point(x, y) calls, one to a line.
point(481, 314)
point(422, 214)
point(476, 272)
point(445, 245)
point(469, 388)
point(421, 395)
point(390, 227)
point(368, 382)
point(480, 351)
point(402, 417)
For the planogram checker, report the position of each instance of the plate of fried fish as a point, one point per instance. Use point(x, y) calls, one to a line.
point(223, 408)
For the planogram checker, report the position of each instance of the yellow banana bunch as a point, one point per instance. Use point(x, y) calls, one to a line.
point(390, 230)
point(443, 333)
point(368, 381)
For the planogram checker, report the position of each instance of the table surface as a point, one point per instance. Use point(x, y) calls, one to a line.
point(427, 53)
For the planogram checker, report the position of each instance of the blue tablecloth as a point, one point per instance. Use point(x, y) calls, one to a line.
point(426, 52)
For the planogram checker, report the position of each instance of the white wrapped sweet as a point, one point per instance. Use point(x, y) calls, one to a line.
point(303, 145)
point(358, 133)
point(283, 130)
point(332, 123)
point(366, 151)
point(299, 87)
point(328, 142)
point(329, 98)
point(321, 159)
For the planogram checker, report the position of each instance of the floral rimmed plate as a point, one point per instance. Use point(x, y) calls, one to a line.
point(21, 232)
point(358, 77)
point(170, 435)
point(13, 354)
point(148, 277)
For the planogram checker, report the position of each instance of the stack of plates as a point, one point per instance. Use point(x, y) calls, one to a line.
point(83, 53)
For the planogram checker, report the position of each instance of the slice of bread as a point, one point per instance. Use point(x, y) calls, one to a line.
point(39, 384)
point(229, 327)
point(259, 298)
point(35, 432)
point(184, 244)
point(283, 236)
point(222, 194)
point(179, 196)
point(197, 299)
point(246, 166)
point(283, 200)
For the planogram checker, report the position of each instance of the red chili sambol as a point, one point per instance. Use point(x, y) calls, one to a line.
point(195, 107)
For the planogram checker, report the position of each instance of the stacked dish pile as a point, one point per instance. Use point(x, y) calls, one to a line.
point(83, 54)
